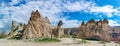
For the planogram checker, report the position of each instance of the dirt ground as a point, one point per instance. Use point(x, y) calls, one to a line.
point(64, 42)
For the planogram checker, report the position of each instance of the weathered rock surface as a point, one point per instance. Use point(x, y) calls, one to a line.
point(58, 31)
point(37, 26)
point(16, 30)
point(95, 29)
point(12, 29)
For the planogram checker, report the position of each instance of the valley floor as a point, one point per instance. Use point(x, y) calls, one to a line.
point(64, 42)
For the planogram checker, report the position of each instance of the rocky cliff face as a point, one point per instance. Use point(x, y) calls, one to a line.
point(37, 26)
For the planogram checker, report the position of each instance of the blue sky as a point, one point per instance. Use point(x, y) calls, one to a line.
point(71, 12)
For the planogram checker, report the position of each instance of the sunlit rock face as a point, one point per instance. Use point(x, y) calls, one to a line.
point(37, 26)
point(91, 27)
point(95, 29)
point(105, 30)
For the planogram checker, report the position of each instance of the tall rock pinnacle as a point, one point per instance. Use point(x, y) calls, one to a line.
point(37, 26)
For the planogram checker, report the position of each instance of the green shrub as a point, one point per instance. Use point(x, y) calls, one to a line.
point(13, 38)
point(47, 40)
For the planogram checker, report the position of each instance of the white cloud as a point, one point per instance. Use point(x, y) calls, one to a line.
point(1, 25)
point(52, 9)
point(78, 6)
point(13, 2)
point(5, 23)
point(47, 8)
point(113, 23)
point(107, 9)
point(71, 23)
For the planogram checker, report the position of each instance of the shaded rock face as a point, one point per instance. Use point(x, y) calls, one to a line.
point(16, 30)
point(70, 31)
point(13, 28)
point(81, 31)
point(37, 26)
point(115, 33)
point(58, 31)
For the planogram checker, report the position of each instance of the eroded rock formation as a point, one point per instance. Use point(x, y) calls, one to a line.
point(95, 29)
point(56, 32)
point(37, 26)
point(16, 30)
point(12, 29)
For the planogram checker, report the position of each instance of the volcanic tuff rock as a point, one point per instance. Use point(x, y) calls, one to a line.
point(95, 29)
point(12, 29)
point(16, 30)
point(37, 26)
point(58, 31)
point(92, 30)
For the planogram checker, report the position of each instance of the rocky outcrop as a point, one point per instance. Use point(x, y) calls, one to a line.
point(105, 30)
point(56, 32)
point(37, 26)
point(13, 28)
point(95, 29)
point(82, 30)
point(16, 30)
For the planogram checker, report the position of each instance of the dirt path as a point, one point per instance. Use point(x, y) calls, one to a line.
point(64, 42)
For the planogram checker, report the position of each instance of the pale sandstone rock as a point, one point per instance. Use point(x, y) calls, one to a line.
point(37, 26)
point(95, 29)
